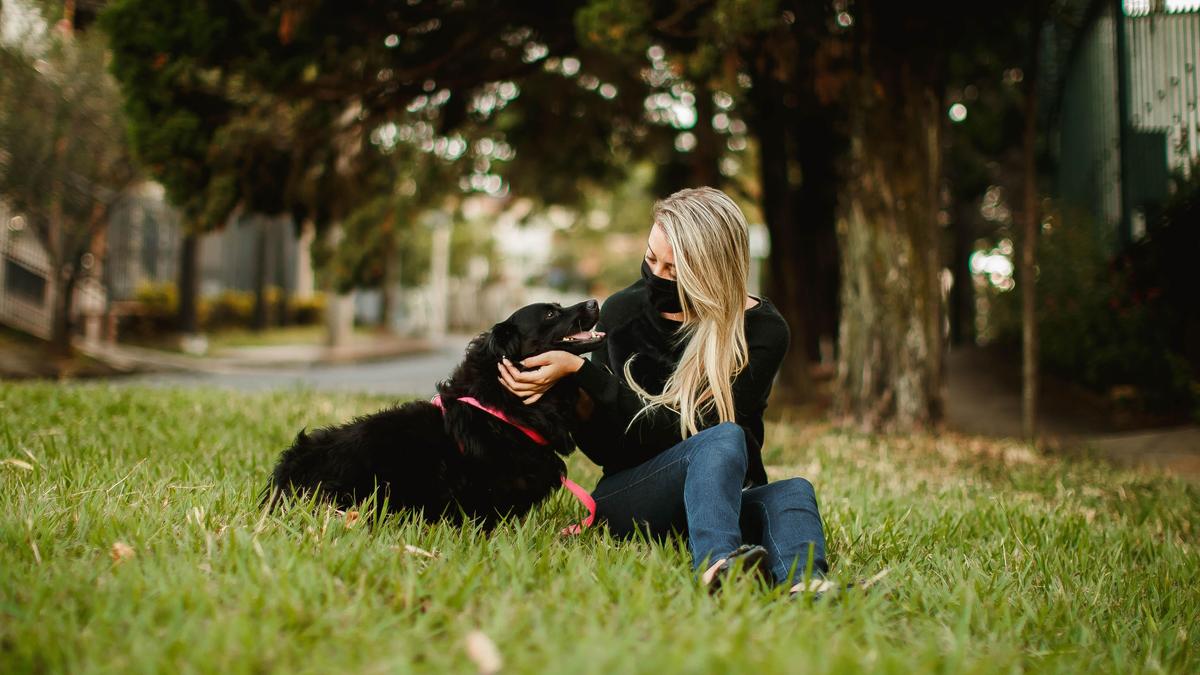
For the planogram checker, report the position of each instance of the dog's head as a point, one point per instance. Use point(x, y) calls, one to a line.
point(542, 327)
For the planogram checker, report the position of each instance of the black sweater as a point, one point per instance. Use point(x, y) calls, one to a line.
point(635, 328)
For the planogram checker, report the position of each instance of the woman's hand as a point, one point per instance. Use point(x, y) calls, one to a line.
point(549, 368)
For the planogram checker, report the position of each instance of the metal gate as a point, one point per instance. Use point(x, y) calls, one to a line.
point(1129, 122)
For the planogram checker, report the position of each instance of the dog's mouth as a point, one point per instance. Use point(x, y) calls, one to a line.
point(582, 338)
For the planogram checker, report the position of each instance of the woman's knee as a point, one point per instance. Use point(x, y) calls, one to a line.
point(798, 484)
point(724, 443)
point(786, 493)
point(726, 433)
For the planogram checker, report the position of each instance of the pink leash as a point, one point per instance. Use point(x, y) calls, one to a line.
point(574, 488)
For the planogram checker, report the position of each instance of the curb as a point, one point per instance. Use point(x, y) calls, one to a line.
point(133, 359)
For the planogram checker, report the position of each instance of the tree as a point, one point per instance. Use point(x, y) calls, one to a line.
point(891, 350)
point(981, 153)
point(330, 77)
point(795, 113)
point(63, 154)
point(175, 109)
point(757, 62)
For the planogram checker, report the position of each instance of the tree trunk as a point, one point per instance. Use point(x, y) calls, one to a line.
point(783, 280)
point(1027, 277)
point(339, 310)
point(187, 319)
point(705, 168)
point(62, 278)
point(283, 231)
point(962, 293)
point(304, 280)
point(259, 321)
point(64, 300)
point(387, 299)
point(816, 146)
point(890, 361)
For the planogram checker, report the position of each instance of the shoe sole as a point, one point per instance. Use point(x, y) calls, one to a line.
point(751, 561)
point(818, 588)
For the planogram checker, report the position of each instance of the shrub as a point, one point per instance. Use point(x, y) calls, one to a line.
point(1118, 324)
point(158, 304)
point(309, 311)
point(229, 309)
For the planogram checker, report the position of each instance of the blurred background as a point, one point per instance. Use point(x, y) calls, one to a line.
point(977, 214)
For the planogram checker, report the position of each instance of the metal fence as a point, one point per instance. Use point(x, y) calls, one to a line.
point(26, 294)
point(1129, 122)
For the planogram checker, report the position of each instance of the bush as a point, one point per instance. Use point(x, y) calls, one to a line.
point(158, 303)
point(229, 309)
point(307, 312)
point(1117, 324)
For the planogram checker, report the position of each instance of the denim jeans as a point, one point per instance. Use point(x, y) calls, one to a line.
point(695, 488)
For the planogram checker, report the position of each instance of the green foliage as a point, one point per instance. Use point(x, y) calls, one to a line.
point(232, 309)
point(158, 304)
point(1001, 560)
point(63, 154)
point(307, 311)
point(1102, 319)
point(368, 243)
point(174, 102)
point(621, 26)
point(598, 254)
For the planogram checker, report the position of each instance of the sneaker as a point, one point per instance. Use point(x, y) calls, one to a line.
point(818, 588)
point(750, 558)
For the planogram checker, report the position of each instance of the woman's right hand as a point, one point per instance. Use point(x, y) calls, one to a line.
point(547, 369)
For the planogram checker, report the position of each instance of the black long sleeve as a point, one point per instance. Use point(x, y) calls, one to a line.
point(636, 331)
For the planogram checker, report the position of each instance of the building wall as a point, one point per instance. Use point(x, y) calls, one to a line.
point(228, 257)
point(1164, 58)
point(143, 242)
point(1089, 171)
point(26, 294)
point(1162, 125)
point(145, 235)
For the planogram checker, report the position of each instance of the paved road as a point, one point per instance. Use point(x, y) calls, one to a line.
point(414, 374)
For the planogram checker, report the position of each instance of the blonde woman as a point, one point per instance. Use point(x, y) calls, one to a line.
point(672, 405)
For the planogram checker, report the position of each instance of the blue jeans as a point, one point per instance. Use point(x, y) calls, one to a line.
point(695, 488)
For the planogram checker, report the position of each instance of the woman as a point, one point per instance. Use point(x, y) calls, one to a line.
point(671, 407)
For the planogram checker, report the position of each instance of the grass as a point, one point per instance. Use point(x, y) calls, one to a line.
point(131, 541)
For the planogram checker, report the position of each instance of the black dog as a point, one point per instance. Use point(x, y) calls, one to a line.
point(462, 461)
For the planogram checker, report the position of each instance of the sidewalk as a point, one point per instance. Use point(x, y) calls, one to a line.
point(130, 358)
point(983, 397)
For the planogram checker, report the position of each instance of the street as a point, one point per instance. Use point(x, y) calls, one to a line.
point(416, 374)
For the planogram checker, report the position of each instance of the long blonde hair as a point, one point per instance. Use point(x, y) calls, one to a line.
point(711, 245)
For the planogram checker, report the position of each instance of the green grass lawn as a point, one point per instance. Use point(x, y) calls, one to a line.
point(1001, 560)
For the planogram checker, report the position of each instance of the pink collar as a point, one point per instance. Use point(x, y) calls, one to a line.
point(472, 401)
point(574, 488)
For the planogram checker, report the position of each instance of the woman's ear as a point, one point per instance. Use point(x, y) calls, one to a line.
point(503, 340)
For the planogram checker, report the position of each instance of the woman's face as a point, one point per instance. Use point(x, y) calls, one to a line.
point(659, 255)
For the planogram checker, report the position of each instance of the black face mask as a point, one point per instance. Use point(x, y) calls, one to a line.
point(664, 293)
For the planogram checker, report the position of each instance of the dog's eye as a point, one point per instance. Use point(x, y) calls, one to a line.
point(551, 314)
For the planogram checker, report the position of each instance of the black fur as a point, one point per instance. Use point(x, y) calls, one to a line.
point(463, 462)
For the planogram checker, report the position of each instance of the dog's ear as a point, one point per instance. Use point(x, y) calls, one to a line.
point(504, 340)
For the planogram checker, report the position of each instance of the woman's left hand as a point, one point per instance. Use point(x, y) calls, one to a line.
point(548, 368)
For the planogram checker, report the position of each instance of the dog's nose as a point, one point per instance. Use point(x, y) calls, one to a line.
point(592, 305)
